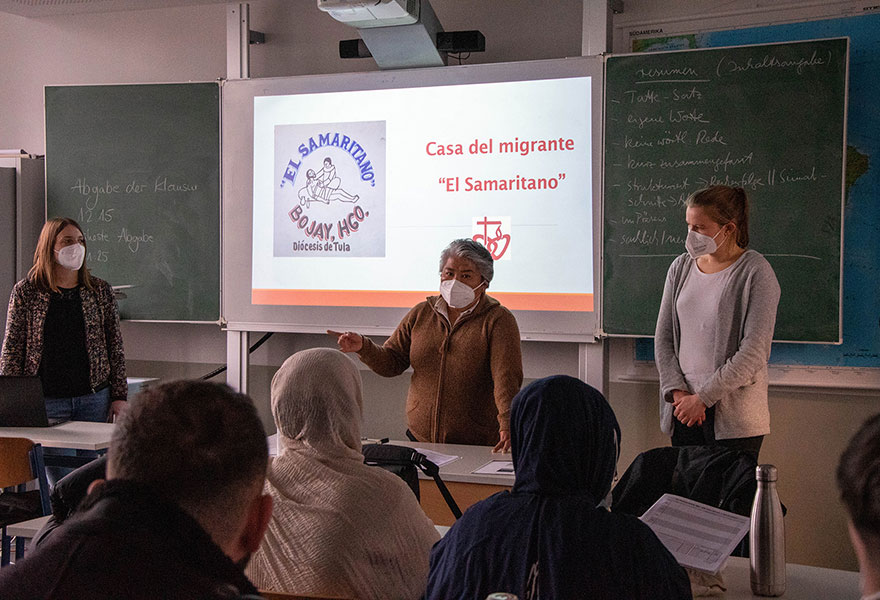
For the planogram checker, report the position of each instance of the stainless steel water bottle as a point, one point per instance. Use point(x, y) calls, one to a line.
point(767, 537)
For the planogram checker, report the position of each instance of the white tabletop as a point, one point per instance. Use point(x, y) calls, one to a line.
point(78, 435)
point(469, 459)
point(801, 582)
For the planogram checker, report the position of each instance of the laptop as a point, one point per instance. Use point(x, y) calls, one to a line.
point(22, 404)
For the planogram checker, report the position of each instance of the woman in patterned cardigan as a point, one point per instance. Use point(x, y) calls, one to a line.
point(63, 325)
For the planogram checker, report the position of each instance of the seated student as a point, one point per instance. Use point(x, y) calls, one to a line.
point(858, 477)
point(179, 514)
point(548, 537)
point(340, 528)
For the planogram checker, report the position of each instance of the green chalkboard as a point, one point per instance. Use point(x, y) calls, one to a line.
point(768, 118)
point(138, 166)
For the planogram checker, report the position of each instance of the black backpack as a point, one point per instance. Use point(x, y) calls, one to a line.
point(403, 462)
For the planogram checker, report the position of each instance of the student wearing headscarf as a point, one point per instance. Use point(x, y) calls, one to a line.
point(339, 528)
point(548, 537)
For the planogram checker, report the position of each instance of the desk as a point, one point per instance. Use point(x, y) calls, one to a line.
point(801, 582)
point(78, 435)
point(466, 487)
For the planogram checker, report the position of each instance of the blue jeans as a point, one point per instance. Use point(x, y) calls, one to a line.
point(88, 407)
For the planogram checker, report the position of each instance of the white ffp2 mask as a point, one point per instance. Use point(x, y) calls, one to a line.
point(456, 293)
point(71, 257)
point(698, 244)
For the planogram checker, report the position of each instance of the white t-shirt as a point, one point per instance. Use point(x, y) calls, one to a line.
point(697, 308)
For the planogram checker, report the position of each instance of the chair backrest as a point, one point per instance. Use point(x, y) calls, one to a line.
point(21, 460)
point(15, 462)
point(713, 475)
point(400, 460)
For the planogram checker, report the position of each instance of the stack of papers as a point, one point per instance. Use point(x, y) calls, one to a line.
point(436, 457)
point(698, 535)
point(496, 467)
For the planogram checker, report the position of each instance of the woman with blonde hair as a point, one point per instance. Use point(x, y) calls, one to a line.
point(339, 528)
point(714, 329)
point(63, 326)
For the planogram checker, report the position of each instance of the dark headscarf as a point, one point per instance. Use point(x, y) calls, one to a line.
point(546, 538)
point(565, 440)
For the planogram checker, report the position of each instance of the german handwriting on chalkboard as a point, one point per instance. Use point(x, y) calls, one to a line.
point(102, 212)
point(769, 61)
point(677, 131)
point(768, 119)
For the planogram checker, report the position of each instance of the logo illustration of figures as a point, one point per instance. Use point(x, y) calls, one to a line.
point(490, 231)
point(324, 187)
point(329, 189)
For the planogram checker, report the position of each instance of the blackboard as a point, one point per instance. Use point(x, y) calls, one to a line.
point(138, 166)
point(768, 118)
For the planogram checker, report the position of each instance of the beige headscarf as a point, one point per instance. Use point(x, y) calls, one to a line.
point(339, 528)
point(317, 403)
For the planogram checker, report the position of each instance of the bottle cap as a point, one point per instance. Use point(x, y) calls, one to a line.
point(765, 473)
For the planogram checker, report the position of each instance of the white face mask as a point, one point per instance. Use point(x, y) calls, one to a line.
point(456, 293)
point(698, 244)
point(71, 257)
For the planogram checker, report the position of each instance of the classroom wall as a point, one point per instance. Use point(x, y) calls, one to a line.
point(181, 44)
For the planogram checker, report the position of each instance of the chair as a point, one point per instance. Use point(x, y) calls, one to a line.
point(713, 475)
point(21, 461)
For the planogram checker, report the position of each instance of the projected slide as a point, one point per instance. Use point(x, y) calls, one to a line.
point(356, 193)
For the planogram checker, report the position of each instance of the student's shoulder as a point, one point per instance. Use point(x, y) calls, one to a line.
point(25, 287)
point(100, 284)
point(754, 262)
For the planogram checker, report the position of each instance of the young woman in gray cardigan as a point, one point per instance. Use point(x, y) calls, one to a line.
point(714, 329)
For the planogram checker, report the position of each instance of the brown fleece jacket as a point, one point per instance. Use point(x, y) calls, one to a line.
point(464, 376)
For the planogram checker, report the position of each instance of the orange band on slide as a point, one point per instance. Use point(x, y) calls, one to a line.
point(397, 299)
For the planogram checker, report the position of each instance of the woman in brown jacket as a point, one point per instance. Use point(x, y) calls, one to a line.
point(464, 348)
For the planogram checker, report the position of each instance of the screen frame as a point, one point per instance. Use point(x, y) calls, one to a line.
point(238, 314)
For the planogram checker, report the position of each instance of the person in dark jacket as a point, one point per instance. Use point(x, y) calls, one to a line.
point(548, 537)
point(179, 514)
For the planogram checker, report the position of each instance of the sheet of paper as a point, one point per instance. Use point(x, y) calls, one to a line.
point(698, 536)
point(496, 467)
point(437, 458)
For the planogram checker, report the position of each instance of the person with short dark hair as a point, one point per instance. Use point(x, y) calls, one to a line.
point(179, 514)
point(464, 349)
point(550, 536)
point(858, 477)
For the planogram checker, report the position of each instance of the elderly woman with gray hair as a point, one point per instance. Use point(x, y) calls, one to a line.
point(464, 348)
point(339, 528)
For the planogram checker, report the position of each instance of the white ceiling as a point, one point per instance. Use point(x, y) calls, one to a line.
point(46, 8)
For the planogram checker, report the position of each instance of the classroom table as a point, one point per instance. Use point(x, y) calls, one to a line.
point(76, 435)
point(466, 487)
point(801, 582)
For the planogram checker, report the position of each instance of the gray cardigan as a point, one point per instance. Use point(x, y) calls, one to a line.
point(743, 332)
